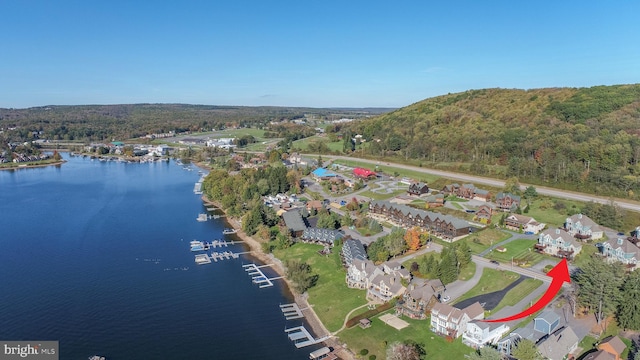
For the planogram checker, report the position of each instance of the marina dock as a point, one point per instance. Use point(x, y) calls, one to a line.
point(204, 246)
point(291, 311)
point(258, 277)
point(301, 337)
point(202, 259)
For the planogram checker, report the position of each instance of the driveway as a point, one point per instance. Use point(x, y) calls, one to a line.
point(491, 300)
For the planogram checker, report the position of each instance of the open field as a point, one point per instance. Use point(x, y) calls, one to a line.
point(379, 335)
point(331, 309)
point(390, 170)
point(480, 241)
point(378, 196)
point(520, 251)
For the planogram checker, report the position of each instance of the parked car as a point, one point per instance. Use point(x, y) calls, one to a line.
point(494, 262)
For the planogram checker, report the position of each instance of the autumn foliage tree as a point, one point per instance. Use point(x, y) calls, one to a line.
point(412, 237)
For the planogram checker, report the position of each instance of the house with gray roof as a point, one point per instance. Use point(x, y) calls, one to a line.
point(351, 250)
point(620, 250)
point(447, 320)
point(507, 201)
point(327, 237)
point(446, 227)
point(294, 222)
point(558, 242)
point(382, 282)
point(582, 227)
point(559, 344)
point(419, 298)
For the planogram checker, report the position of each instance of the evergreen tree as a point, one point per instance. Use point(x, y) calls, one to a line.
point(448, 267)
point(485, 353)
point(598, 287)
point(628, 312)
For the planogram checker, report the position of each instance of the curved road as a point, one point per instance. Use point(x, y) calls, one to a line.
point(563, 194)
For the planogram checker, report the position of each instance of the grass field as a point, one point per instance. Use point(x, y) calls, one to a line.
point(518, 293)
point(378, 196)
point(521, 251)
point(415, 175)
point(379, 335)
point(491, 280)
point(483, 239)
point(587, 251)
point(331, 309)
point(553, 212)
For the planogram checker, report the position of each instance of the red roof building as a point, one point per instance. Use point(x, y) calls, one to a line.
point(363, 173)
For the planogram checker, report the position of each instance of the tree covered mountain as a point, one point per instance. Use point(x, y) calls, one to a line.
point(586, 139)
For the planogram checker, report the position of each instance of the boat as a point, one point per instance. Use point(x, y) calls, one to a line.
point(202, 217)
point(97, 357)
point(197, 246)
point(229, 231)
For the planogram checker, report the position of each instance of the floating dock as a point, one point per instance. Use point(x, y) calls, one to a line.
point(258, 277)
point(202, 259)
point(202, 217)
point(291, 311)
point(301, 337)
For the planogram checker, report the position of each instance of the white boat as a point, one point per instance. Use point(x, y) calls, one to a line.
point(229, 231)
point(202, 217)
point(97, 357)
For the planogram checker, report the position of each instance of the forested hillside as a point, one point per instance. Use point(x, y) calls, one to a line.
point(585, 139)
point(100, 122)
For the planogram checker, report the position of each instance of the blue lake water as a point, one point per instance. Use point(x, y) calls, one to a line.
point(96, 255)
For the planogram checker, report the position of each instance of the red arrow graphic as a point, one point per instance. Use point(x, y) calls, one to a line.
point(560, 274)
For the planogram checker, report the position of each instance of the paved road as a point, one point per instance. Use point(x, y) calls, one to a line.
point(563, 194)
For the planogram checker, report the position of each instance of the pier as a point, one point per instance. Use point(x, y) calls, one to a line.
point(202, 259)
point(291, 311)
point(258, 277)
point(301, 337)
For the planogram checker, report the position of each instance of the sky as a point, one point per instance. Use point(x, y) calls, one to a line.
point(309, 53)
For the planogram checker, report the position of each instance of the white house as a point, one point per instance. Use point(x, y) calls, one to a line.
point(558, 243)
point(480, 333)
point(449, 321)
point(382, 282)
point(582, 227)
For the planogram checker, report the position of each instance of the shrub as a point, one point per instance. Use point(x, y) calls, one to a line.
point(364, 352)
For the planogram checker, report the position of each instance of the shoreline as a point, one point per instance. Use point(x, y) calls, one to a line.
point(32, 165)
point(318, 328)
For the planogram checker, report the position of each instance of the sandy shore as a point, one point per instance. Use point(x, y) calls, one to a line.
point(311, 317)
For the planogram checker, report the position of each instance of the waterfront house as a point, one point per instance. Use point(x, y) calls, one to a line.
point(352, 250)
point(419, 298)
point(583, 228)
point(418, 189)
point(559, 243)
point(620, 250)
point(507, 201)
point(294, 222)
point(449, 321)
point(382, 282)
point(480, 333)
point(527, 224)
point(612, 345)
point(326, 237)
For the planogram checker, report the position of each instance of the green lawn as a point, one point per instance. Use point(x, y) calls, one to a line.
point(521, 251)
point(552, 212)
point(483, 239)
point(378, 196)
point(518, 293)
point(379, 335)
point(367, 232)
point(491, 280)
point(587, 251)
point(428, 178)
point(331, 298)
